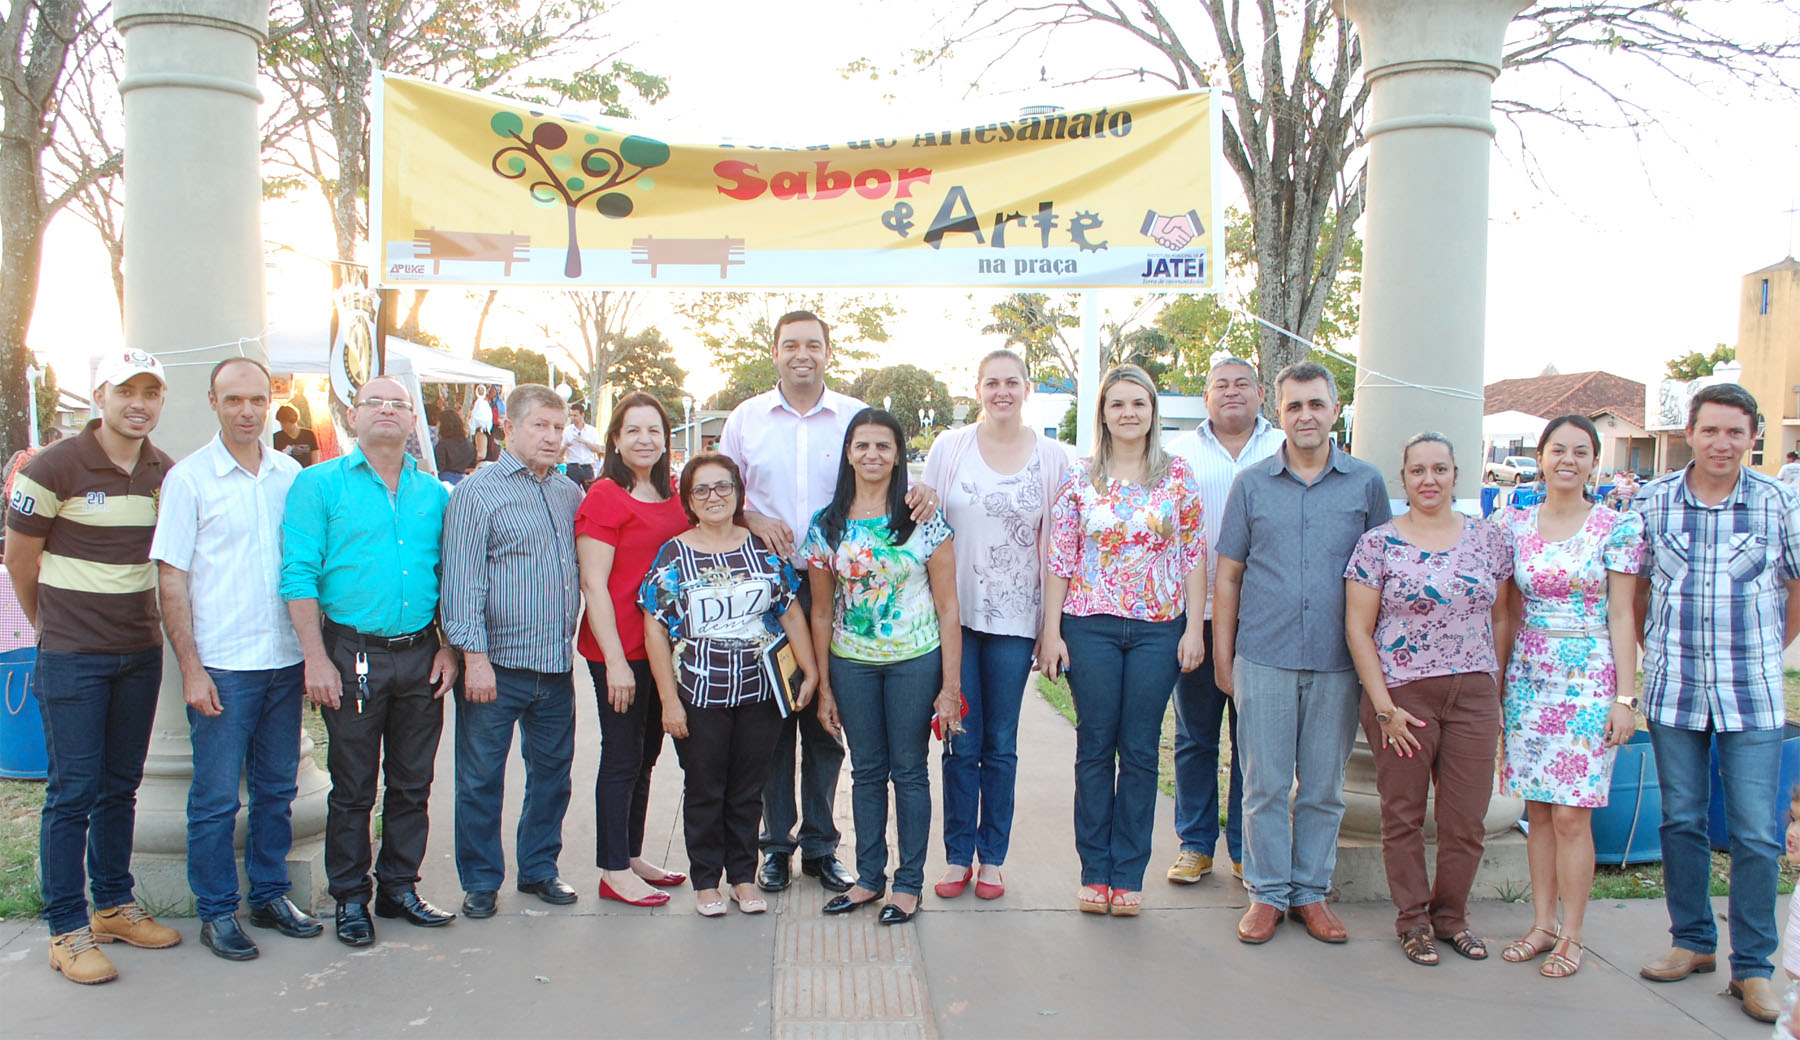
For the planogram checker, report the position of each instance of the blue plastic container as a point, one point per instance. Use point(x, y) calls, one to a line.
point(22, 752)
point(1626, 831)
point(1717, 831)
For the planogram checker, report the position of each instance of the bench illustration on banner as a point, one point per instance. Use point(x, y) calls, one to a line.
point(694, 252)
point(479, 246)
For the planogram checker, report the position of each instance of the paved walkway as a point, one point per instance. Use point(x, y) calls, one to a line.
point(1028, 964)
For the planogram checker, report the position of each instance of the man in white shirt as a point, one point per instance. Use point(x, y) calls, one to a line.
point(1790, 473)
point(218, 553)
point(481, 424)
point(581, 447)
point(1233, 435)
point(787, 442)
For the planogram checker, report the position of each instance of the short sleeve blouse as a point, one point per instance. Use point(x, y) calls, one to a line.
point(1126, 549)
point(1436, 615)
point(636, 530)
point(721, 610)
point(884, 607)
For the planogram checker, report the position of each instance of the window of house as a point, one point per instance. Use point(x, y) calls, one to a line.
point(1765, 296)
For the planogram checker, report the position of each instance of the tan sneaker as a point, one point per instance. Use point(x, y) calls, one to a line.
point(75, 955)
point(1237, 869)
point(1678, 964)
point(1190, 867)
point(128, 923)
point(1758, 996)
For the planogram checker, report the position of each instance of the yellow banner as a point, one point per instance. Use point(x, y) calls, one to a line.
point(475, 189)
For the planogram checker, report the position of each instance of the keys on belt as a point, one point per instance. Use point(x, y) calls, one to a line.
point(362, 680)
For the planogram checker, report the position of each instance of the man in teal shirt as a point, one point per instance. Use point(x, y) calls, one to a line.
point(359, 571)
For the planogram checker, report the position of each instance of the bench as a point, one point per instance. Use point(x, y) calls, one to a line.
point(657, 252)
point(438, 246)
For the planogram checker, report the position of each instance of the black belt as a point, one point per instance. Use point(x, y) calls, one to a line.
point(380, 642)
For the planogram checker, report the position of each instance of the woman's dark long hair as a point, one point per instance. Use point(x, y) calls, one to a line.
point(836, 516)
point(613, 468)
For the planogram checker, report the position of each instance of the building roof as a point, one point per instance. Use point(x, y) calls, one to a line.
point(1780, 265)
point(1629, 413)
point(1582, 393)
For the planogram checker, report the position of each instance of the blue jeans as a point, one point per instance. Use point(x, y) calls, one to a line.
point(1200, 708)
point(1295, 731)
point(1749, 767)
point(98, 709)
point(255, 737)
point(981, 768)
point(1120, 673)
point(886, 712)
point(543, 706)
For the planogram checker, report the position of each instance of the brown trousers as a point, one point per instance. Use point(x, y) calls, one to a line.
point(1458, 742)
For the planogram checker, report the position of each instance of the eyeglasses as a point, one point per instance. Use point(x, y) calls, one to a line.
point(398, 404)
point(723, 489)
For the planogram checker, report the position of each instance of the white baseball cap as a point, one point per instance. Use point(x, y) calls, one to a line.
point(120, 366)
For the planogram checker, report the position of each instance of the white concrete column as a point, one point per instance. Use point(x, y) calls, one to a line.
point(1430, 65)
point(1087, 381)
point(193, 294)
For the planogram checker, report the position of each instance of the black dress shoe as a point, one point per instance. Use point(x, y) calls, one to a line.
point(282, 915)
point(776, 873)
point(226, 938)
point(353, 925)
point(407, 904)
point(843, 904)
point(550, 890)
point(830, 873)
point(479, 905)
point(891, 914)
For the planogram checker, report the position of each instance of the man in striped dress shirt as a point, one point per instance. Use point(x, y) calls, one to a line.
point(1718, 598)
point(81, 519)
point(512, 594)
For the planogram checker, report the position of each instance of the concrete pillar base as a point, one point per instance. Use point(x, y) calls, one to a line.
point(1504, 874)
point(162, 881)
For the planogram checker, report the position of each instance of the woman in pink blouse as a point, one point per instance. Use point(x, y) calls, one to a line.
point(1421, 603)
point(1124, 598)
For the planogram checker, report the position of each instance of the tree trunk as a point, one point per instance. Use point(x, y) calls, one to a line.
point(481, 322)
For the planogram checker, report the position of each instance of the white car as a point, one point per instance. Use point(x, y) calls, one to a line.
point(1514, 469)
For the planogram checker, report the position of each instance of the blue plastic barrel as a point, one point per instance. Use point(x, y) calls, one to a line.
point(1718, 832)
point(22, 752)
point(1626, 829)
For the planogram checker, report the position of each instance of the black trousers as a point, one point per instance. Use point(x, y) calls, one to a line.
point(396, 735)
point(630, 742)
point(726, 761)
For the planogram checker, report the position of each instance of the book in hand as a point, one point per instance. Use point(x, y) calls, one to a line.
point(783, 671)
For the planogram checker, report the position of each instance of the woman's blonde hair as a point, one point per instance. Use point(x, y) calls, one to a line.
point(1156, 461)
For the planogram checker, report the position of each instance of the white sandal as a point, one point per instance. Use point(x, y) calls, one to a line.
point(710, 907)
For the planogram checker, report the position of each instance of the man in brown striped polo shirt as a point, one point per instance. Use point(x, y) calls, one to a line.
point(80, 521)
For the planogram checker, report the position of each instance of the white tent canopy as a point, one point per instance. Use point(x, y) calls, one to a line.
point(307, 350)
point(1509, 426)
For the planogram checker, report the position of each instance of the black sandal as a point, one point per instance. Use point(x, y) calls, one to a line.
point(1419, 947)
point(1468, 944)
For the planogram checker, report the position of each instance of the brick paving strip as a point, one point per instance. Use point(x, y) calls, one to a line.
point(845, 976)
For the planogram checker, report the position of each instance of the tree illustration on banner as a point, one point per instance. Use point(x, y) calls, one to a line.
point(557, 176)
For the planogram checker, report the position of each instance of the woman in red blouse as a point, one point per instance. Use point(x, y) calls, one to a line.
point(628, 515)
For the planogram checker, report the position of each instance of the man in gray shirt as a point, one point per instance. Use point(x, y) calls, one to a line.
point(511, 595)
point(1290, 525)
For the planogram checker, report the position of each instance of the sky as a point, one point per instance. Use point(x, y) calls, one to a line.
point(1618, 253)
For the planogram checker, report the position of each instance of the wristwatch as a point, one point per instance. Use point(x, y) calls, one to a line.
point(1628, 701)
point(1384, 717)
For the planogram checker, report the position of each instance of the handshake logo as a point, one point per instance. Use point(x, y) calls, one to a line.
point(1173, 233)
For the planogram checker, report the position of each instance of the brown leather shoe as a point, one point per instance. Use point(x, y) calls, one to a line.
point(1678, 964)
point(1258, 924)
point(128, 923)
point(1758, 997)
point(1320, 922)
point(75, 955)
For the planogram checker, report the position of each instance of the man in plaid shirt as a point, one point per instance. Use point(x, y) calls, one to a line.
point(1718, 600)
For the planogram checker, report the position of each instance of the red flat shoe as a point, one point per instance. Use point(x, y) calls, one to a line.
point(983, 890)
point(670, 879)
point(653, 899)
point(952, 889)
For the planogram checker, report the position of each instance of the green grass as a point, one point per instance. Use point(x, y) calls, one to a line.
point(21, 801)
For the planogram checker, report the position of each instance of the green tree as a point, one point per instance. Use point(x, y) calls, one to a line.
point(908, 389)
point(1037, 326)
point(738, 331)
point(1693, 365)
point(1066, 429)
point(527, 366)
point(647, 363)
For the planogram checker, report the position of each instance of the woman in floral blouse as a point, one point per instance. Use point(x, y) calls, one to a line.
point(895, 642)
point(1570, 683)
point(1421, 604)
point(1123, 607)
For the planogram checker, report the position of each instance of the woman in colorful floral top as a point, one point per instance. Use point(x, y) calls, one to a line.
point(998, 478)
point(714, 599)
point(1570, 683)
point(895, 653)
point(1123, 609)
point(1421, 602)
